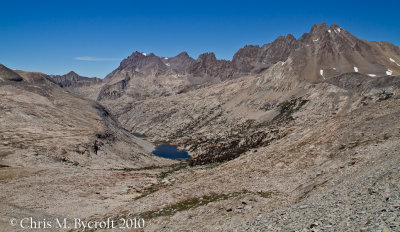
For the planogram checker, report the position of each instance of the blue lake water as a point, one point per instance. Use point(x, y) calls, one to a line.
point(138, 135)
point(170, 152)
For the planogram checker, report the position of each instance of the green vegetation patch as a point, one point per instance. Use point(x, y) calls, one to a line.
point(189, 204)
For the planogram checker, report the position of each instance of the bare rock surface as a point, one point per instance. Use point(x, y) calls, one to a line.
point(63, 155)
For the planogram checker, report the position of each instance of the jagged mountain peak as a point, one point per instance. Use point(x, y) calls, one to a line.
point(326, 52)
point(323, 27)
point(208, 66)
point(140, 61)
point(335, 26)
point(255, 59)
point(141, 54)
point(325, 32)
point(183, 54)
point(288, 37)
point(319, 27)
point(148, 63)
point(207, 56)
point(180, 62)
point(72, 74)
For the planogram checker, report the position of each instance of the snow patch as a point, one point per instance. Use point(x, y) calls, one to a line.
point(315, 40)
point(392, 60)
point(334, 68)
point(372, 75)
point(168, 64)
point(165, 58)
point(338, 29)
point(355, 69)
point(389, 72)
point(322, 73)
point(329, 31)
point(144, 54)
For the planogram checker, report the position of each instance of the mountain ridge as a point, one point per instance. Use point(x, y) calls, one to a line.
point(72, 79)
point(323, 52)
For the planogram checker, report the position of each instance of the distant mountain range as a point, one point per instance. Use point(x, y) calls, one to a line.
point(322, 53)
point(72, 79)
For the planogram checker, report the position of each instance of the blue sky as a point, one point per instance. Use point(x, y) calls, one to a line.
point(92, 37)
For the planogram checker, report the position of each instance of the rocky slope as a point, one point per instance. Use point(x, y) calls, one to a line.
point(38, 115)
point(54, 146)
point(264, 156)
point(278, 136)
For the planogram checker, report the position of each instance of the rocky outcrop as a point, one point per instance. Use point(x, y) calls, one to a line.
point(181, 62)
point(363, 83)
point(207, 66)
point(113, 91)
point(7, 74)
point(254, 59)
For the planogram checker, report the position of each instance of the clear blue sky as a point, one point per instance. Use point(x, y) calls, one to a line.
point(92, 37)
